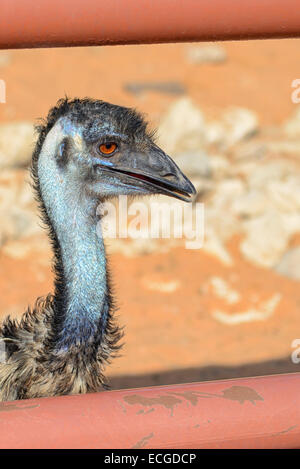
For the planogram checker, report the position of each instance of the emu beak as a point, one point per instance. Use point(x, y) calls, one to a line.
point(158, 172)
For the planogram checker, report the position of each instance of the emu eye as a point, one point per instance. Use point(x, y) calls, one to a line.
point(108, 148)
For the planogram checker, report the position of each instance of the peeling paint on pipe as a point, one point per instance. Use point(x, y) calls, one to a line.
point(54, 23)
point(261, 412)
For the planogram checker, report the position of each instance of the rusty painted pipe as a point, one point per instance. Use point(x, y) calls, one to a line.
point(259, 412)
point(53, 23)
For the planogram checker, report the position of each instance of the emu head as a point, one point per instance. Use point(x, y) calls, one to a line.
point(102, 150)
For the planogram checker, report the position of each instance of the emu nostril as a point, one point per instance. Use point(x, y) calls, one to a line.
point(168, 175)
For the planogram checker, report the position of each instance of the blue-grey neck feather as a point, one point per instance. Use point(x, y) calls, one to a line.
point(73, 216)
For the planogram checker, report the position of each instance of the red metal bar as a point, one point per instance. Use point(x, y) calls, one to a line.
point(259, 412)
point(48, 23)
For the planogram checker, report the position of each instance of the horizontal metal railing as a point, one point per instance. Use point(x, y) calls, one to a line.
point(262, 412)
point(48, 23)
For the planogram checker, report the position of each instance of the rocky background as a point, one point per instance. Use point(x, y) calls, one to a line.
point(224, 112)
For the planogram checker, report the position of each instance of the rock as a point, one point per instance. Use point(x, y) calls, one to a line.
point(220, 166)
point(11, 185)
point(215, 133)
point(18, 224)
point(266, 239)
point(16, 144)
point(182, 129)
point(222, 226)
point(291, 126)
point(5, 59)
point(17, 208)
point(161, 285)
point(251, 204)
point(194, 163)
point(264, 311)
point(289, 264)
point(291, 222)
point(214, 246)
point(289, 147)
point(227, 191)
point(244, 169)
point(37, 246)
point(250, 151)
point(234, 126)
point(220, 221)
point(210, 53)
point(278, 182)
point(2, 92)
point(275, 170)
point(285, 194)
point(202, 185)
point(223, 290)
point(135, 247)
point(169, 87)
point(239, 124)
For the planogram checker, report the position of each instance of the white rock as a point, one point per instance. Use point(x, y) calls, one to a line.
point(291, 222)
point(223, 290)
point(285, 194)
point(239, 123)
point(291, 147)
point(202, 185)
point(280, 169)
point(210, 53)
point(250, 151)
point(220, 221)
point(289, 264)
point(251, 204)
point(194, 163)
point(17, 208)
point(38, 246)
point(135, 247)
point(266, 239)
point(277, 183)
point(215, 133)
point(16, 144)
point(227, 191)
point(182, 128)
point(220, 166)
point(161, 286)
point(263, 312)
point(291, 126)
point(220, 217)
point(245, 169)
point(5, 59)
point(215, 247)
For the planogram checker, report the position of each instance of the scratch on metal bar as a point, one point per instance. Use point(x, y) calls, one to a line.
point(285, 431)
point(141, 443)
point(11, 407)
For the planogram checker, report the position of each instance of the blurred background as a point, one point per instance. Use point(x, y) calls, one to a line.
point(225, 112)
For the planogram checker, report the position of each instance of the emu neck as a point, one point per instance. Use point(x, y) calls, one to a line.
point(81, 302)
point(84, 268)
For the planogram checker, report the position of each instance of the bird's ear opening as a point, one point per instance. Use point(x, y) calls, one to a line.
point(62, 153)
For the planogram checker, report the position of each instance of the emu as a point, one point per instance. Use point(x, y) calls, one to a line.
point(87, 151)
